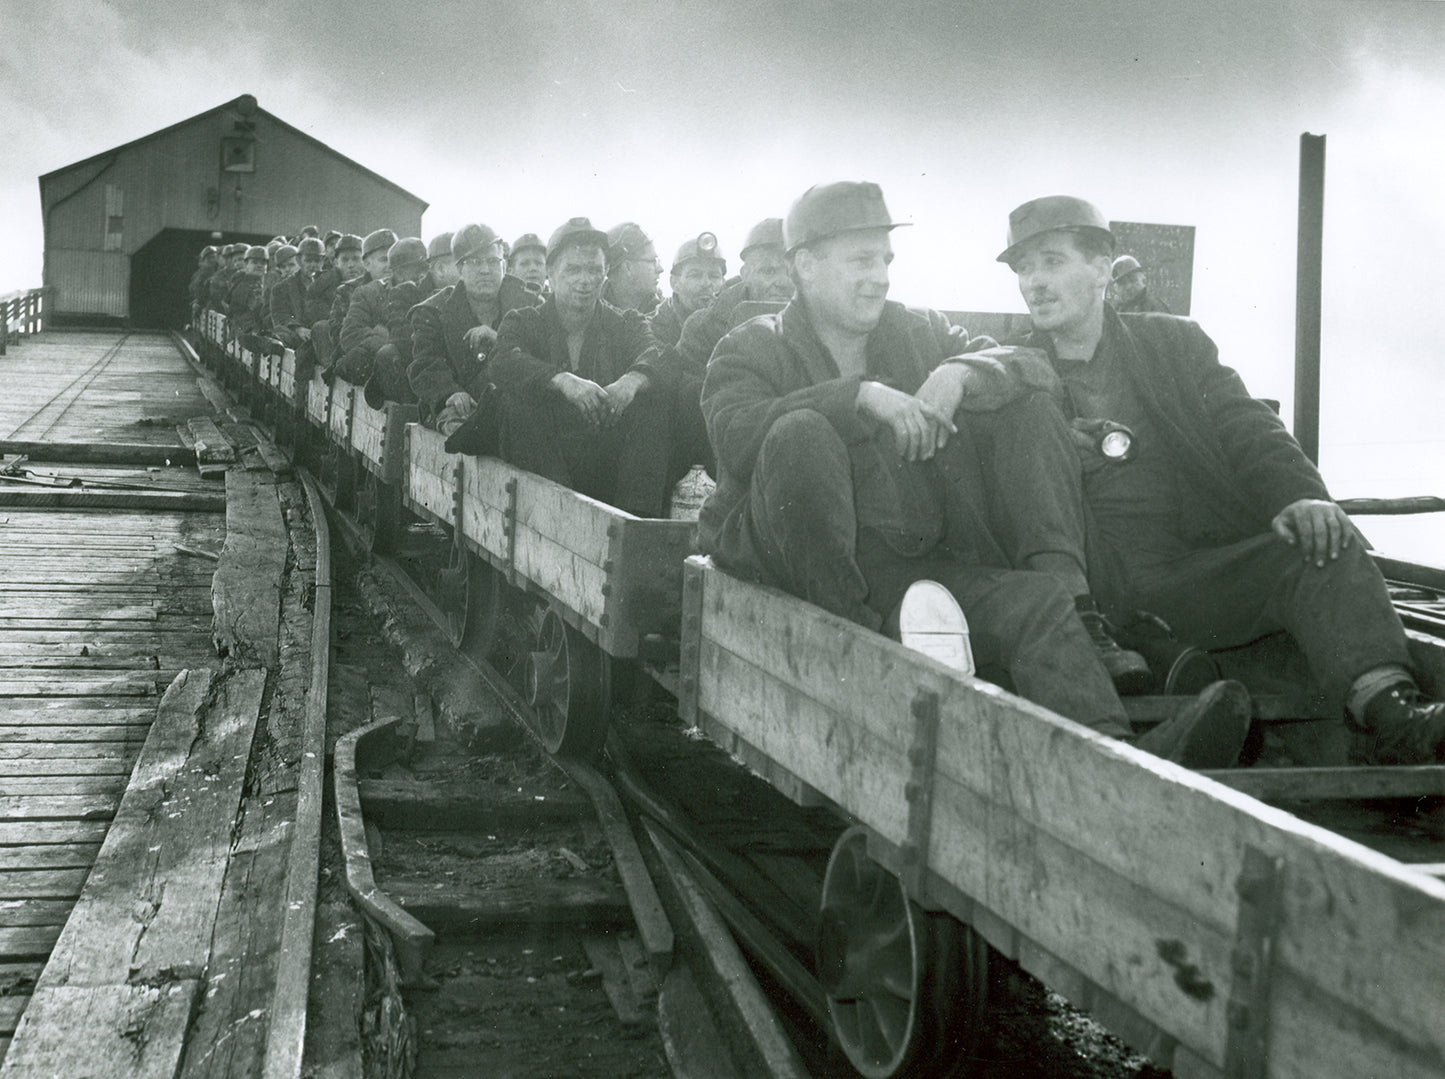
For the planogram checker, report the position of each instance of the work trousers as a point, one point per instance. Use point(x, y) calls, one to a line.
point(1340, 614)
point(624, 465)
point(850, 527)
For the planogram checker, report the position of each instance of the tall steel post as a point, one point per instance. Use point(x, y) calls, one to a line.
point(1309, 268)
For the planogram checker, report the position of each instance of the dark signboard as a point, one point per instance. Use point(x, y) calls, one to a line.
point(1167, 254)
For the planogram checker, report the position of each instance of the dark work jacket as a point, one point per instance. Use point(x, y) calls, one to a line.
point(218, 286)
point(1235, 457)
point(341, 300)
point(320, 294)
point(442, 364)
point(1144, 302)
point(666, 322)
point(199, 279)
point(775, 364)
point(243, 303)
point(531, 347)
point(287, 306)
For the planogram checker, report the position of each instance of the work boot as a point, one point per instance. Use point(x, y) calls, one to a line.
point(1208, 732)
point(1400, 728)
point(929, 620)
point(1128, 670)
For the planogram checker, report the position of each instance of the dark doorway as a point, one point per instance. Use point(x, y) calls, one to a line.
point(160, 275)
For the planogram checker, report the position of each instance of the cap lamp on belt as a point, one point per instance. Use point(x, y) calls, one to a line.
point(1116, 442)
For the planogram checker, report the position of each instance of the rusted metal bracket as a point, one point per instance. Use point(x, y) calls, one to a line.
point(509, 528)
point(1260, 888)
point(922, 756)
point(692, 588)
point(458, 479)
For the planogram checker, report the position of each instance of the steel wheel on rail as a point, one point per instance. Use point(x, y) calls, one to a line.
point(378, 512)
point(567, 687)
point(454, 585)
point(907, 990)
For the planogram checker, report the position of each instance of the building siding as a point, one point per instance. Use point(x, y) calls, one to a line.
point(96, 212)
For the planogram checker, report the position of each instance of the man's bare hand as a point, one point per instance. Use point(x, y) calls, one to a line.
point(585, 396)
point(480, 339)
point(943, 391)
point(919, 429)
point(621, 392)
point(1317, 527)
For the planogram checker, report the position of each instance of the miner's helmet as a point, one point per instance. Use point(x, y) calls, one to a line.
point(256, 252)
point(440, 247)
point(1124, 265)
point(333, 236)
point(766, 233)
point(704, 246)
point(308, 231)
point(380, 240)
point(624, 241)
point(829, 209)
point(576, 230)
point(407, 253)
point(350, 242)
point(234, 249)
point(311, 246)
point(210, 252)
point(284, 254)
point(473, 240)
point(528, 241)
point(1050, 214)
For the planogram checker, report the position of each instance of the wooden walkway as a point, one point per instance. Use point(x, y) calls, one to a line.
point(155, 661)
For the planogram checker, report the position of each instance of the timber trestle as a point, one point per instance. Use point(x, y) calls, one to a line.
point(163, 668)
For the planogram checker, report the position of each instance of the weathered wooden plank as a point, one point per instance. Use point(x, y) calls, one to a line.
point(12, 1006)
point(27, 941)
point(246, 589)
point(49, 856)
point(42, 883)
point(114, 732)
point(167, 849)
point(17, 833)
point(115, 453)
point(115, 1031)
point(25, 751)
point(127, 684)
point(57, 807)
point(66, 766)
point(1150, 853)
point(190, 501)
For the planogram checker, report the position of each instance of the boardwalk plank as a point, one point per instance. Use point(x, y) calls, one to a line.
point(23, 833)
point(32, 912)
point(57, 807)
point(56, 732)
point(27, 941)
point(49, 856)
point(246, 589)
point(42, 883)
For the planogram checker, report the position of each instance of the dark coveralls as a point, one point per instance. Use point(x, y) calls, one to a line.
point(442, 364)
point(813, 498)
point(624, 464)
point(1183, 530)
point(376, 339)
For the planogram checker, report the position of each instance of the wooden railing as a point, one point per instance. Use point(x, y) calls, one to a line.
point(21, 315)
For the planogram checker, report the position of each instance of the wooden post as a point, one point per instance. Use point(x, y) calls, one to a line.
point(4, 326)
point(1308, 288)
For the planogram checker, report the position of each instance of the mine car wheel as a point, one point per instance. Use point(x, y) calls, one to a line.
point(488, 596)
point(907, 990)
point(329, 470)
point(454, 583)
point(567, 687)
point(377, 512)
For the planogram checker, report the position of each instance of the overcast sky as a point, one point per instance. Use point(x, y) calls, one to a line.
point(688, 116)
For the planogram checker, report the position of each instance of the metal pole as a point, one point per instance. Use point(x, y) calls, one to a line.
point(1308, 289)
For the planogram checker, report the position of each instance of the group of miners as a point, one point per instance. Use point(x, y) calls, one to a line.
point(1018, 509)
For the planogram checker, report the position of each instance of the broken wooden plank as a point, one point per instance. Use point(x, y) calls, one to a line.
point(116, 1031)
point(214, 451)
point(150, 905)
point(246, 588)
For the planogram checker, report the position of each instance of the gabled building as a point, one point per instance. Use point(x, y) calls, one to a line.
point(123, 228)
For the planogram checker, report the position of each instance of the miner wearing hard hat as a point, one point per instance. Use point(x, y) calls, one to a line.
point(633, 269)
point(441, 265)
point(243, 297)
point(375, 335)
point(232, 257)
point(1217, 522)
point(575, 383)
point(288, 317)
point(849, 475)
point(375, 251)
point(1129, 291)
point(528, 261)
point(763, 287)
point(696, 277)
point(208, 262)
point(346, 265)
point(453, 331)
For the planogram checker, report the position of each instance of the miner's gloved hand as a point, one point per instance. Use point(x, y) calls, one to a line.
point(455, 412)
point(1317, 527)
point(480, 339)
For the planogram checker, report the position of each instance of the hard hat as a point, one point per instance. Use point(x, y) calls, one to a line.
point(380, 240)
point(827, 209)
point(440, 247)
point(234, 249)
point(1051, 213)
point(350, 242)
point(284, 254)
point(1124, 265)
point(311, 246)
point(577, 230)
point(272, 247)
point(528, 241)
point(766, 233)
point(209, 253)
point(625, 241)
point(406, 253)
point(332, 235)
point(256, 252)
point(310, 230)
point(703, 247)
point(473, 240)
